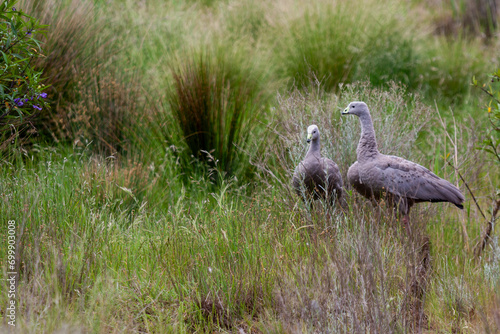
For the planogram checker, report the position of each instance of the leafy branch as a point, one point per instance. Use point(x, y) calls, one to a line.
point(491, 145)
point(21, 90)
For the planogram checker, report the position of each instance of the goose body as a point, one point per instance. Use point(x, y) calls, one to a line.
point(317, 177)
point(403, 183)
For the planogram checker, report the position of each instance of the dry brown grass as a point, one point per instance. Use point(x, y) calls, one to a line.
point(108, 112)
point(362, 274)
point(91, 101)
point(70, 37)
point(469, 17)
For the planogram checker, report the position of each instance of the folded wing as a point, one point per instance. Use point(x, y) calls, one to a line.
point(407, 179)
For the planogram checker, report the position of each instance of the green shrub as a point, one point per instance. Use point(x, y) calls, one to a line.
point(389, 57)
point(447, 68)
point(323, 43)
point(21, 96)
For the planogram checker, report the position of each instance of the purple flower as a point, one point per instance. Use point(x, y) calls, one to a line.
point(37, 107)
point(19, 102)
point(43, 95)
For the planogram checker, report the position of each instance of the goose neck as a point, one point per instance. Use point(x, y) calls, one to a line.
point(314, 149)
point(367, 147)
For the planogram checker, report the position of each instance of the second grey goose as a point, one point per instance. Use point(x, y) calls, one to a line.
point(318, 177)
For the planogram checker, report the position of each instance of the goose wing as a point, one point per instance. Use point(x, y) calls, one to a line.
point(407, 179)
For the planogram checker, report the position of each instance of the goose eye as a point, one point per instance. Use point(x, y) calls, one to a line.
point(353, 106)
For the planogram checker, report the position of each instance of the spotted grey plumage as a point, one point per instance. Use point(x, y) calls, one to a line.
point(317, 177)
point(402, 182)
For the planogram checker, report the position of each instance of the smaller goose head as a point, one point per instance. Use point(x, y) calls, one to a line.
point(312, 133)
point(356, 108)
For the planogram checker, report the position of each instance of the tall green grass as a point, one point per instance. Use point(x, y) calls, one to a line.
point(120, 243)
point(221, 261)
point(339, 42)
point(446, 72)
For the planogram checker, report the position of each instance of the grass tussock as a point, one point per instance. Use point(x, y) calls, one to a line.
point(215, 101)
point(322, 42)
point(108, 113)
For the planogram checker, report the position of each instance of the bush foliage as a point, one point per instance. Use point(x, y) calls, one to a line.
point(21, 90)
point(492, 142)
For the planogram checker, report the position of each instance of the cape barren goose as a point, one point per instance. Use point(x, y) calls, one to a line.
point(317, 177)
point(401, 182)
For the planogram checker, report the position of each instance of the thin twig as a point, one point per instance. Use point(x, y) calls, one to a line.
point(466, 185)
point(493, 146)
point(489, 228)
point(487, 92)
